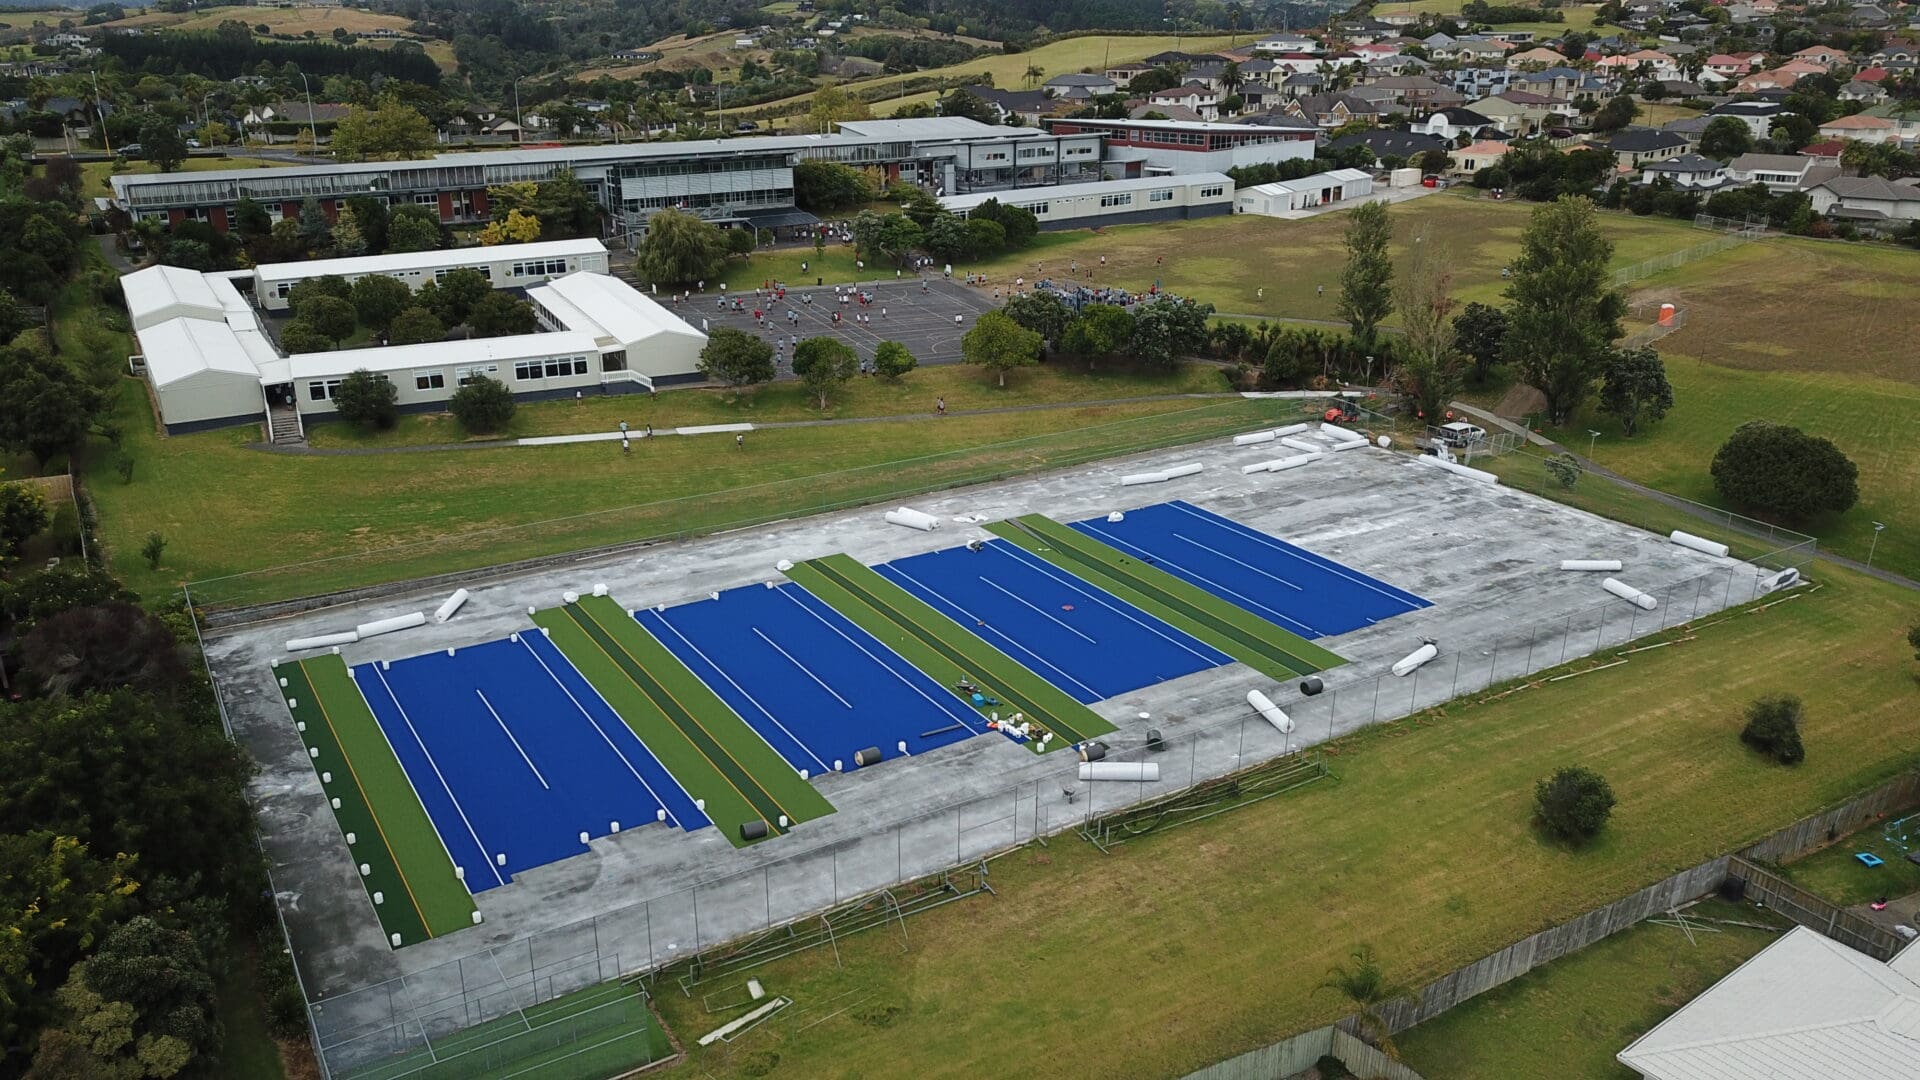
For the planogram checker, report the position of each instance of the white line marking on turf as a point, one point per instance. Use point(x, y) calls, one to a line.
point(1236, 562)
point(1047, 615)
point(802, 667)
point(743, 692)
point(891, 670)
point(603, 734)
point(511, 739)
point(980, 623)
point(458, 809)
point(1064, 578)
point(1151, 559)
point(1302, 555)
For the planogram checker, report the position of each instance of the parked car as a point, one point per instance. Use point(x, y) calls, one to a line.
point(132, 151)
point(1458, 434)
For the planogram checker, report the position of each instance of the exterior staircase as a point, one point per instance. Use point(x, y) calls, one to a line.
point(283, 426)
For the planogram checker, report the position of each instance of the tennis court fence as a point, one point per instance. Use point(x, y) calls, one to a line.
point(668, 941)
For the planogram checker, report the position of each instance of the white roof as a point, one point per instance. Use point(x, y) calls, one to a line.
point(427, 260)
point(162, 288)
point(1310, 183)
point(1805, 1008)
point(1098, 187)
point(607, 307)
point(181, 348)
point(438, 354)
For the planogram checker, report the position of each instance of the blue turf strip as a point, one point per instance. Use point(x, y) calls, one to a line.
point(1304, 592)
point(1086, 642)
point(813, 684)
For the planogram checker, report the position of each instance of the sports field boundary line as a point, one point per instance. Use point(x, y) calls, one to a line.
point(1093, 592)
point(965, 659)
point(758, 809)
point(512, 738)
point(662, 803)
point(367, 801)
point(1250, 636)
point(1295, 551)
point(731, 681)
point(937, 703)
point(1247, 603)
point(887, 570)
point(407, 720)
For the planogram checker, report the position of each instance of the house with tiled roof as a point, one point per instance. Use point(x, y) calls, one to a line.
point(1538, 56)
point(1861, 128)
point(1482, 154)
point(1825, 55)
point(1202, 99)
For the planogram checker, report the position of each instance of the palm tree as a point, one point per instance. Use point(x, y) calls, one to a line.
point(1366, 986)
point(1034, 72)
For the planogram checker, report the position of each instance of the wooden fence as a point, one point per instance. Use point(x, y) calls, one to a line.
point(55, 488)
point(1814, 911)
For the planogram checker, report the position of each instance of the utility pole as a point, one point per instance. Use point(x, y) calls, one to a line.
point(313, 131)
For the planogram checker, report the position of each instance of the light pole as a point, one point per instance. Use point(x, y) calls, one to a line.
point(1878, 528)
point(313, 131)
point(1592, 437)
point(517, 122)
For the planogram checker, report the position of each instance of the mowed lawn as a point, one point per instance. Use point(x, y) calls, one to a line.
point(1818, 335)
point(1568, 1019)
point(224, 508)
point(94, 174)
point(1209, 941)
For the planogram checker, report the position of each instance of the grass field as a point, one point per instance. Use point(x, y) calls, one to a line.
point(1578, 16)
point(94, 174)
point(1834, 873)
point(395, 838)
point(1233, 630)
point(1423, 849)
point(598, 1032)
point(1568, 1019)
point(965, 388)
point(247, 1048)
point(914, 629)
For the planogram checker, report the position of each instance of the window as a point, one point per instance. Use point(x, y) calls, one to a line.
point(539, 268)
point(465, 375)
point(526, 370)
point(322, 391)
point(1163, 195)
point(1122, 199)
point(441, 273)
point(429, 380)
point(558, 367)
point(282, 289)
point(427, 198)
point(1213, 192)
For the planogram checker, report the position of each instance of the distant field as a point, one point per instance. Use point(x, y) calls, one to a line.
point(1579, 16)
point(95, 173)
point(296, 21)
point(1655, 113)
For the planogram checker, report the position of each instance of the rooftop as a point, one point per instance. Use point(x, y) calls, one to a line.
point(427, 260)
point(496, 350)
point(1099, 187)
point(607, 307)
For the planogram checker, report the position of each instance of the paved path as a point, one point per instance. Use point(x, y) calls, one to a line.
point(110, 249)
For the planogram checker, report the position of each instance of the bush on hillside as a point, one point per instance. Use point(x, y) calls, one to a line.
point(483, 406)
point(1574, 803)
point(1773, 728)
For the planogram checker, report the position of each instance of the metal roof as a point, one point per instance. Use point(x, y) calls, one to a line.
point(1190, 125)
point(1098, 187)
point(159, 289)
point(427, 260)
point(432, 354)
point(607, 307)
point(179, 349)
point(1312, 183)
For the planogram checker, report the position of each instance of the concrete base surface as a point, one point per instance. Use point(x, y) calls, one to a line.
point(1486, 556)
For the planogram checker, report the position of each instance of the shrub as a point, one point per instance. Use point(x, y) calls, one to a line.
point(1574, 803)
point(892, 360)
point(415, 326)
point(301, 336)
point(1782, 471)
point(1773, 728)
point(366, 398)
point(483, 405)
point(151, 550)
point(1565, 469)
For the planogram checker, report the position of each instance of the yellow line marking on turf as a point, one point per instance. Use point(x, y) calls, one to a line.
point(663, 712)
point(364, 797)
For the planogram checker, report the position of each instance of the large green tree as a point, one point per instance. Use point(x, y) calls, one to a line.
point(884, 236)
point(1044, 313)
point(1634, 387)
point(413, 228)
point(1097, 332)
point(367, 399)
point(1366, 283)
point(736, 358)
point(45, 407)
point(378, 298)
point(1726, 138)
point(162, 143)
point(1480, 332)
point(499, 314)
point(681, 249)
point(415, 326)
point(1564, 313)
point(1167, 329)
point(390, 130)
point(999, 344)
point(1429, 369)
point(824, 365)
point(1783, 472)
point(56, 899)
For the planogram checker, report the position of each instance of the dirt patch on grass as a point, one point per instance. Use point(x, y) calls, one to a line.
point(1520, 400)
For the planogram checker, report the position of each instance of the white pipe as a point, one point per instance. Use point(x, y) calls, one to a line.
point(1187, 469)
point(1340, 434)
point(1461, 470)
point(322, 641)
point(1630, 594)
point(1139, 772)
point(388, 626)
point(1255, 437)
point(1405, 665)
point(452, 604)
point(1258, 466)
point(1351, 445)
point(1294, 462)
point(1272, 713)
point(913, 519)
point(1133, 479)
point(1589, 564)
point(1698, 543)
point(1301, 444)
point(1290, 429)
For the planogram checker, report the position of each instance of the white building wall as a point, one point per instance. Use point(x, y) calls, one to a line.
point(436, 383)
point(210, 395)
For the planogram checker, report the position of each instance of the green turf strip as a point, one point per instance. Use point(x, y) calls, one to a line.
point(854, 589)
point(1255, 642)
point(601, 1031)
point(393, 835)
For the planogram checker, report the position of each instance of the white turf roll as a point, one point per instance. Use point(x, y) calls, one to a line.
point(1301, 444)
point(1698, 543)
point(1139, 772)
point(912, 519)
point(1590, 564)
point(323, 641)
point(1254, 437)
point(1187, 469)
point(1407, 664)
point(1630, 594)
point(1272, 713)
point(1290, 429)
point(1340, 434)
point(1133, 479)
point(450, 605)
point(1457, 469)
point(388, 626)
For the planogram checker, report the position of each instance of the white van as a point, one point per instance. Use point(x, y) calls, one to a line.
point(1458, 434)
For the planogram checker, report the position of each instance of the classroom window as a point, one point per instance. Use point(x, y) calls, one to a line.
point(1212, 192)
point(539, 267)
point(465, 375)
point(322, 391)
point(429, 380)
point(1122, 199)
point(526, 370)
point(1163, 195)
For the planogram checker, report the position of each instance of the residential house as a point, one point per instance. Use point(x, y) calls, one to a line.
point(1869, 17)
point(295, 112)
point(1418, 93)
point(1481, 81)
point(1779, 173)
point(1384, 143)
point(1302, 83)
point(1559, 82)
point(1730, 65)
point(1330, 111)
point(1861, 128)
point(1537, 57)
point(1196, 96)
point(1475, 51)
point(1454, 124)
point(1687, 171)
point(1165, 112)
point(1378, 50)
point(1689, 128)
point(1825, 55)
point(1475, 156)
point(1287, 43)
point(1871, 93)
point(1801, 68)
point(1517, 112)
point(67, 39)
point(1122, 74)
point(1906, 124)
point(1759, 116)
point(1777, 79)
point(1896, 49)
point(1028, 105)
point(636, 56)
point(1827, 151)
point(1075, 86)
point(1652, 62)
point(1867, 199)
point(1635, 146)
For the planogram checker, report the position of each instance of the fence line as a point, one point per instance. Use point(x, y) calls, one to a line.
point(1301, 1052)
point(1661, 263)
point(1813, 911)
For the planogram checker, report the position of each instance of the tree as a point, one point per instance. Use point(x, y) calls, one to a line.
point(1565, 470)
point(737, 358)
point(331, 316)
point(316, 230)
point(1726, 138)
point(1366, 285)
point(1480, 332)
point(152, 548)
point(103, 646)
point(681, 248)
point(367, 399)
point(1429, 372)
point(414, 326)
point(518, 227)
point(1365, 985)
point(1565, 312)
point(1783, 472)
point(453, 297)
point(999, 344)
point(891, 360)
point(984, 237)
point(162, 143)
point(13, 317)
point(1773, 728)
point(831, 105)
point(826, 186)
point(377, 298)
point(310, 289)
point(1913, 640)
point(740, 242)
point(347, 239)
point(45, 406)
point(884, 236)
point(1617, 113)
point(959, 102)
point(1044, 313)
point(164, 975)
point(301, 336)
point(56, 900)
point(413, 228)
point(1099, 330)
point(1634, 387)
point(483, 405)
point(390, 131)
point(370, 215)
point(1574, 803)
point(500, 314)
point(824, 365)
point(1167, 329)
point(23, 512)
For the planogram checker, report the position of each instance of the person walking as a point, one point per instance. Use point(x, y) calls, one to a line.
point(740, 441)
point(940, 406)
